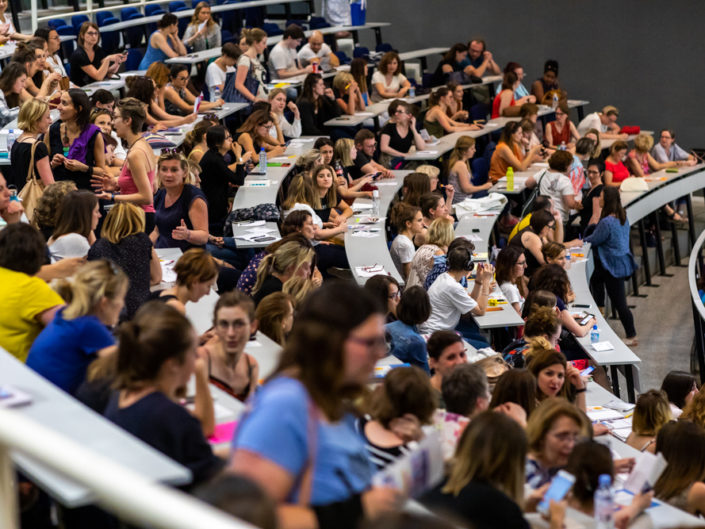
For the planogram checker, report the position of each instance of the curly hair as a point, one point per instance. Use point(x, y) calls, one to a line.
point(48, 205)
point(695, 409)
point(553, 278)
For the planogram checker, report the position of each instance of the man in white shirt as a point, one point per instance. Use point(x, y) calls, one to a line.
point(318, 51)
point(605, 122)
point(450, 301)
point(218, 70)
point(283, 62)
point(556, 185)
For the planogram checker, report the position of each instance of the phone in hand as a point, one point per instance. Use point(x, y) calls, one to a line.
point(560, 486)
point(376, 176)
point(586, 318)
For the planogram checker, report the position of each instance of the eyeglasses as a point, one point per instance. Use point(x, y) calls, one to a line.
point(593, 172)
point(91, 33)
point(522, 263)
point(396, 295)
point(552, 225)
point(566, 437)
point(378, 343)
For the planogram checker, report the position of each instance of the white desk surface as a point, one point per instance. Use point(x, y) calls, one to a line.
point(417, 54)
point(57, 410)
point(369, 251)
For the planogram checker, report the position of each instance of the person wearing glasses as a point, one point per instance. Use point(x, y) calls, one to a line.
point(254, 135)
point(365, 143)
point(667, 150)
point(53, 60)
point(163, 43)
point(89, 62)
point(178, 99)
point(399, 135)
point(561, 133)
point(313, 463)
point(203, 32)
point(230, 368)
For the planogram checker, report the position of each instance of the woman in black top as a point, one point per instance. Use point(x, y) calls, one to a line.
point(590, 214)
point(124, 242)
point(532, 238)
point(399, 135)
point(486, 482)
point(76, 147)
point(216, 175)
point(288, 269)
point(451, 63)
point(34, 119)
point(156, 357)
point(89, 62)
point(316, 106)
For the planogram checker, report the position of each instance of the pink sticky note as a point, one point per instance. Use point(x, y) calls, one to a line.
point(223, 433)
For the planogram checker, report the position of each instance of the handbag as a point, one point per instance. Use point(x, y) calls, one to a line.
point(231, 94)
point(32, 190)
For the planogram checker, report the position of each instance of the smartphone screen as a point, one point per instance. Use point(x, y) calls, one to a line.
point(586, 319)
point(560, 486)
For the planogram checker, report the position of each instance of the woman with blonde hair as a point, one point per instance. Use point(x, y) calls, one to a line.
point(277, 100)
point(553, 429)
point(196, 272)
point(195, 145)
point(439, 235)
point(33, 119)
point(652, 411)
point(124, 242)
point(332, 210)
point(202, 33)
point(79, 332)
point(485, 486)
point(459, 172)
point(348, 95)
point(344, 153)
point(181, 209)
point(288, 269)
point(275, 316)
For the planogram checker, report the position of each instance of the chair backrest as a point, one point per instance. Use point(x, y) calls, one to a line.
point(56, 23)
point(299, 23)
point(361, 51)
point(125, 12)
point(272, 29)
point(134, 57)
point(383, 47)
point(107, 21)
point(489, 151)
point(78, 20)
point(100, 17)
point(227, 36)
point(342, 57)
point(177, 5)
point(318, 23)
point(153, 9)
point(480, 175)
point(135, 34)
point(68, 46)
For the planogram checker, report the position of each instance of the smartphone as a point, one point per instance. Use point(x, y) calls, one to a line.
point(587, 318)
point(560, 486)
point(587, 371)
point(376, 176)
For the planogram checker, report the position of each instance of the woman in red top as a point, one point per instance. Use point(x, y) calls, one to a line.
point(135, 183)
point(615, 170)
point(504, 103)
point(562, 131)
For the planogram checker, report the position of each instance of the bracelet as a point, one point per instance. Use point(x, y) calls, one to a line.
point(112, 197)
point(583, 390)
point(188, 234)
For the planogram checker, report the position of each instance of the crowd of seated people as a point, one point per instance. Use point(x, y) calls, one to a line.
point(88, 305)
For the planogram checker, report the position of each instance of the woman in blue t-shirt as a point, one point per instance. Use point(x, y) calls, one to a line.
point(80, 331)
point(299, 442)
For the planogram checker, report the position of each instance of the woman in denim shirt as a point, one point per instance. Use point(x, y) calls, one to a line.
point(407, 344)
point(613, 259)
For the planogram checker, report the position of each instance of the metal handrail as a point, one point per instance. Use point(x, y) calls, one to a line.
point(118, 490)
point(695, 268)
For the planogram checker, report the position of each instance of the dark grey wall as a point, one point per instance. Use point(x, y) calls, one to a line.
point(645, 57)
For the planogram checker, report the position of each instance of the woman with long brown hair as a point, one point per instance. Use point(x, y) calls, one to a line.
point(459, 172)
point(89, 62)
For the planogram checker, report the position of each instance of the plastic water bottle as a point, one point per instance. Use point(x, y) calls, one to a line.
point(375, 203)
point(604, 503)
point(412, 91)
point(510, 179)
point(216, 93)
point(594, 334)
point(554, 103)
point(262, 161)
point(11, 137)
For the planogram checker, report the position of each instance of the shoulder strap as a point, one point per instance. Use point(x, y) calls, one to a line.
point(306, 482)
point(30, 169)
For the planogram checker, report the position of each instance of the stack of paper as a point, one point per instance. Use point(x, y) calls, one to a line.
point(369, 271)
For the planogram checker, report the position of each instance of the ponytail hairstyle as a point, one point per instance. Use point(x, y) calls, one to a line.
point(133, 109)
point(270, 314)
point(436, 96)
point(157, 333)
point(195, 135)
point(403, 213)
point(288, 255)
point(253, 35)
point(94, 281)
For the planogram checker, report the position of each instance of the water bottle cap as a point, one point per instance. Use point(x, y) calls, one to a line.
point(594, 327)
point(261, 149)
point(605, 480)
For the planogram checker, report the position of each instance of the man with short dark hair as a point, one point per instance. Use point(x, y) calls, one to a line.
point(466, 391)
point(283, 62)
point(479, 61)
point(366, 143)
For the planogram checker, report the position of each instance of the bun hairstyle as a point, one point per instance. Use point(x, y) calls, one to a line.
point(92, 282)
point(253, 35)
point(157, 333)
point(195, 135)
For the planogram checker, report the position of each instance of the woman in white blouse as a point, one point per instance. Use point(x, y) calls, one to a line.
point(76, 221)
point(511, 263)
point(277, 99)
point(388, 82)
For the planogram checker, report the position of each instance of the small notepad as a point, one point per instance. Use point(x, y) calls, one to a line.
point(602, 346)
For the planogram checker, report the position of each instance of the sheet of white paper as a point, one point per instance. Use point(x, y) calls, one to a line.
point(369, 271)
point(647, 470)
point(602, 346)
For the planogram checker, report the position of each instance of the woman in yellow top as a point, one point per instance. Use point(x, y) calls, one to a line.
point(28, 303)
point(508, 152)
